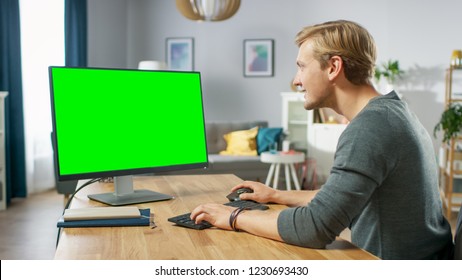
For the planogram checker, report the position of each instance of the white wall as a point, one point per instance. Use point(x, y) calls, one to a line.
point(419, 33)
point(107, 33)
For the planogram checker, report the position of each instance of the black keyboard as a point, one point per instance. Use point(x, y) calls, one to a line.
point(185, 220)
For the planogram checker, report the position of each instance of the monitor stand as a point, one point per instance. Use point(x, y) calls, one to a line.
point(124, 194)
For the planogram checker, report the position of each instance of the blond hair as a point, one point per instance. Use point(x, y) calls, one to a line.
point(346, 39)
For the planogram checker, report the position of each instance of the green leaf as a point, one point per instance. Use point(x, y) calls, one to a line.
point(450, 122)
point(389, 70)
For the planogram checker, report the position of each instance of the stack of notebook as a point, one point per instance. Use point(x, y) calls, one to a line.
point(105, 217)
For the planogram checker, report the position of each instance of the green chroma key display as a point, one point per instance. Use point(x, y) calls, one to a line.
point(116, 121)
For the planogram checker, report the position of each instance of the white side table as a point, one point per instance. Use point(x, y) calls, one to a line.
point(288, 160)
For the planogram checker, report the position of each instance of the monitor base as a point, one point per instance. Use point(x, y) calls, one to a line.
point(138, 196)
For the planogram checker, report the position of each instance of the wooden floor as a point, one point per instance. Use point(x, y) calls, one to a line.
point(29, 229)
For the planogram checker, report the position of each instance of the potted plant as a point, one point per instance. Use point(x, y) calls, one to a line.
point(389, 70)
point(450, 122)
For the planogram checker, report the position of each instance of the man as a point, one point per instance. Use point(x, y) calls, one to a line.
point(383, 184)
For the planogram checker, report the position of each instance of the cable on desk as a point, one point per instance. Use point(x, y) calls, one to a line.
point(70, 200)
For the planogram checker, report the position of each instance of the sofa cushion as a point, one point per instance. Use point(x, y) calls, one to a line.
point(241, 142)
point(267, 136)
point(216, 129)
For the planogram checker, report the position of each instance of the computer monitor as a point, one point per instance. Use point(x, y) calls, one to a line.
point(122, 122)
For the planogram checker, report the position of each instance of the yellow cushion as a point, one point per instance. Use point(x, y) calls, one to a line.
point(241, 142)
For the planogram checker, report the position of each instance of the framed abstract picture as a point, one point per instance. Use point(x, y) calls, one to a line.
point(258, 58)
point(180, 54)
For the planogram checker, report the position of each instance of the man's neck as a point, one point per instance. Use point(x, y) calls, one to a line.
point(352, 99)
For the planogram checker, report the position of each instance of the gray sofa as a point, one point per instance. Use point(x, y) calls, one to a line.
point(245, 167)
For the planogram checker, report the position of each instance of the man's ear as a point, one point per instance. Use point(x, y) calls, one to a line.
point(335, 67)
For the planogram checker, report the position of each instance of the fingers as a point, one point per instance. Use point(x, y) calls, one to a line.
point(247, 196)
point(241, 185)
point(261, 192)
point(216, 214)
point(245, 184)
point(199, 213)
point(202, 213)
point(202, 217)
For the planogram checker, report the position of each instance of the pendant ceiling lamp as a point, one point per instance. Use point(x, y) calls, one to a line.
point(208, 10)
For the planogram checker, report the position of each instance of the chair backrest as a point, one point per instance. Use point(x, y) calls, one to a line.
point(458, 237)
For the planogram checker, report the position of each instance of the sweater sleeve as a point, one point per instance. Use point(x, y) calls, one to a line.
point(331, 211)
point(360, 166)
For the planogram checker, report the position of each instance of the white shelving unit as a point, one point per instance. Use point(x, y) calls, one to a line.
point(295, 120)
point(3, 94)
point(318, 140)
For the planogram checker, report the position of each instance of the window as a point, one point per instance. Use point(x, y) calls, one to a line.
point(42, 43)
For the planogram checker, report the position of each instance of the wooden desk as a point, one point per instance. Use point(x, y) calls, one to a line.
point(169, 242)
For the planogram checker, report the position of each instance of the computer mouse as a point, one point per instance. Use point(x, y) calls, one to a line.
point(235, 194)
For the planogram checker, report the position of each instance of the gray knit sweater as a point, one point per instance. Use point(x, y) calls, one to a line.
point(383, 186)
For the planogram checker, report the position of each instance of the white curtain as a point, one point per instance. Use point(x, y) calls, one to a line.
point(42, 43)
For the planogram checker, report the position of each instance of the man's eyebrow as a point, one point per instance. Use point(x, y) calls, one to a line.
point(300, 64)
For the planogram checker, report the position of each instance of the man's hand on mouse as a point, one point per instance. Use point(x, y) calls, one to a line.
point(261, 193)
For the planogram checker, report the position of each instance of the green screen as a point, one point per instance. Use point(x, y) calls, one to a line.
point(120, 122)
